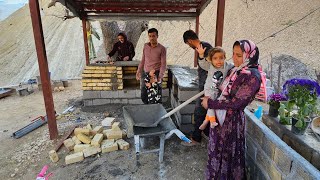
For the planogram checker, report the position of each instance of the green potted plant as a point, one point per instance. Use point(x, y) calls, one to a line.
point(274, 103)
point(302, 97)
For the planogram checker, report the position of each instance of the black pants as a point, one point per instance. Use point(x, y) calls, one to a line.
point(199, 111)
point(144, 94)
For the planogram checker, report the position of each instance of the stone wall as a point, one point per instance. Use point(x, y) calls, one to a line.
point(306, 145)
point(96, 98)
point(268, 157)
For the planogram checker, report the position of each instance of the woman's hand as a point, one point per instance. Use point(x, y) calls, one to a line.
point(204, 102)
point(126, 58)
point(200, 50)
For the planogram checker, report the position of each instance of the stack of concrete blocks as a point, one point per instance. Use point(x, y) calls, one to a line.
point(114, 84)
point(183, 88)
point(90, 141)
point(98, 78)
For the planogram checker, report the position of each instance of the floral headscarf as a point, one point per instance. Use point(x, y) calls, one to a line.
point(250, 52)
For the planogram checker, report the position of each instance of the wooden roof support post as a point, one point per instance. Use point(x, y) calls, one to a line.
point(195, 62)
point(43, 67)
point(85, 40)
point(220, 22)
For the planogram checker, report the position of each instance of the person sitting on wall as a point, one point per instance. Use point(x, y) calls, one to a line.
point(124, 48)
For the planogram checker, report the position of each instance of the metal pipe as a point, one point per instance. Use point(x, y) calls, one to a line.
point(43, 67)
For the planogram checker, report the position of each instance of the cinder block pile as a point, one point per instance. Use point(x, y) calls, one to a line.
point(100, 78)
point(88, 141)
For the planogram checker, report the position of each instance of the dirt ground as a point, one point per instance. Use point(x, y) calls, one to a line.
point(23, 158)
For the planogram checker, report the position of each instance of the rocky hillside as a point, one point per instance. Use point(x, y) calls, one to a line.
point(288, 27)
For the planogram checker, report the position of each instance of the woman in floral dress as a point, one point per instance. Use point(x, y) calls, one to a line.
point(226, 149)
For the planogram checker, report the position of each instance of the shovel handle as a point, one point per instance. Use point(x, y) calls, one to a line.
point(183, 105)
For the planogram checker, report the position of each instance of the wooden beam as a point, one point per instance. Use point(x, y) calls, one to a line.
point(219, 22)
point(195, 62)
point(85, 40)
point(43, 67)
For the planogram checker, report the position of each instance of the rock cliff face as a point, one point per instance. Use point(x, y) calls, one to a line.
point(288, 27)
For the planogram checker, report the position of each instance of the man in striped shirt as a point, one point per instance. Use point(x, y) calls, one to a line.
point(153, 58)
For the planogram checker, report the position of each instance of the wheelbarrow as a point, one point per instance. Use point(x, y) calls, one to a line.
point(152, 120)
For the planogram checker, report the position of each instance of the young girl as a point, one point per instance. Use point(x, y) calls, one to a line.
point(216, 74)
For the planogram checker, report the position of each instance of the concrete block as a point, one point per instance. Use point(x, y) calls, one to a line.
point(315, 159)
point(91, 151)
point(251, 147)
point(135, 101)
point(69, 144)
point(107, 141)
point(81, 147)
point(112, 134)
point(89, 127)
point(269, 167)
point(53, 156)
point(283, 161)
point(76, 140)
point(184, 95)
point(268, 147)
point(116, 126)
point(165, 92)
point(138, 93)
point(127, 94)
point(107, 122)
point(186, 119)
point(297, 172)
point(98, 102)
point(83, 138)
point(109, 147)
point(301, 148)
point(105, 132)
point(188, 109)
point(73, 158)
point(81, 130)
point(119, 101)
point(97, 140)
point(91, 94)
point(257, 134)
point(123, 145)
point(109, 94)
point(97, 129)
point(87, 102)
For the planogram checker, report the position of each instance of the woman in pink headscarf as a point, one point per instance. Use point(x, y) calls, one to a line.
point(226, 149)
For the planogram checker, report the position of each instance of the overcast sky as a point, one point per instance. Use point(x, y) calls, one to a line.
point(7, 7)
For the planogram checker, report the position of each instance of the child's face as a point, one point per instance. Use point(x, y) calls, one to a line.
point(217, 59)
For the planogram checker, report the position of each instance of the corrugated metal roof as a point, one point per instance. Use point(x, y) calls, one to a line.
point(136, 8)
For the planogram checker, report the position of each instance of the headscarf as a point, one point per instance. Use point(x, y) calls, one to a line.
point(250, 53)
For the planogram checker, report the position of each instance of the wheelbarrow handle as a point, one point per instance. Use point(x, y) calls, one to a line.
point(182, 105)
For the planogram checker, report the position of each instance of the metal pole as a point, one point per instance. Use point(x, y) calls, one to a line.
point(195, 62)
point(43, 67)
point(85, 40)
point(220, 22)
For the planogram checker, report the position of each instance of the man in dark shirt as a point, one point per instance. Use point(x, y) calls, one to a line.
point(124, 48)
point(191, 39)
